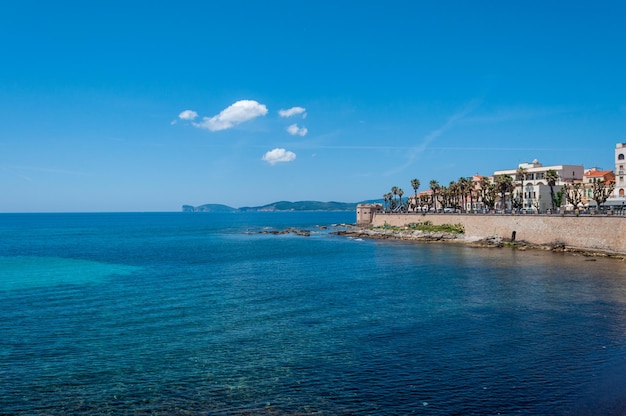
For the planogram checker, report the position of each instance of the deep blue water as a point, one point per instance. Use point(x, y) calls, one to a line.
point(194, 313)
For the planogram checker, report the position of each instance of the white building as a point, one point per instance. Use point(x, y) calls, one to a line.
point(620, 162)
point(536, 194)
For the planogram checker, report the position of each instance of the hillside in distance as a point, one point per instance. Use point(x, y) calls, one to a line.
point(279, 206)
point(209, 208)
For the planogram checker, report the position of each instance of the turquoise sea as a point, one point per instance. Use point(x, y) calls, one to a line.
point(198, 314)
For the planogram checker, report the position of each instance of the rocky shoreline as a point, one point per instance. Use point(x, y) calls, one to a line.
point(490, 242)
point(354, 231)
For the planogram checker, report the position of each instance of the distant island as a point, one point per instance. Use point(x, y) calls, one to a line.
point(280, 206)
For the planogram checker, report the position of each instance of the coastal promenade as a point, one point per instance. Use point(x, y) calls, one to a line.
point(605, 233)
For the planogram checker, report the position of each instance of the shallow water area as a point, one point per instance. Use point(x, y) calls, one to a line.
point(24, 272)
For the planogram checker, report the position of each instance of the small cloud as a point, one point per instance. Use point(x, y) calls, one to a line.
point(237, 113)
point(188, 115)
point(294, 130)
point(293, 111)
point(279, 155)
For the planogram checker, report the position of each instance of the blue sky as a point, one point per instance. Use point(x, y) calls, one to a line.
point(146, 106)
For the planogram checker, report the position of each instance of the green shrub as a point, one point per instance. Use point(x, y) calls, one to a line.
point(428, 227)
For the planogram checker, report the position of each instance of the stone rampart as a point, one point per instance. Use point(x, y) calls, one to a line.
point(594, 232)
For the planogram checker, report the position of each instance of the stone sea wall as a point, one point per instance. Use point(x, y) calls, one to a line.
point(594, 232)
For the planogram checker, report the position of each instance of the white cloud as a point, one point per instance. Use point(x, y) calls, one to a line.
point(293, 111)
point(294, 130)
point(188, 115)
point(279, 155)
point(237, 113)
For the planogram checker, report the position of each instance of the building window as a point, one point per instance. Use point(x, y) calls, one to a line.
point(621, 192)
point(620, 157)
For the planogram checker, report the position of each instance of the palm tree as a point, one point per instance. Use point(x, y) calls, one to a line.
point(426, 200)
point(464, 188)
point(484, 184)
point(454, 192)
point(415, 183)
point(472, 192)
point(490, 192)
point(387, 198)
point(504, 184)
point(394, 190)
point(552, 177)
point(400, 193)
point(434, 187)
point(520, 175)
point(392, 202)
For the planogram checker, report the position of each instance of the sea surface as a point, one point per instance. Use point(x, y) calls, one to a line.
point(199, 313)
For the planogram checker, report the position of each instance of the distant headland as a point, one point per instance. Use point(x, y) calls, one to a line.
point(280, 206)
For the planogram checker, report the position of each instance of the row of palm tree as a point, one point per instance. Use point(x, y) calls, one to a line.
point(456, 195)
point(393, 199)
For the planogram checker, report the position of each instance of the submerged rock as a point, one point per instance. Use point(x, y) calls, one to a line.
point(302, 233)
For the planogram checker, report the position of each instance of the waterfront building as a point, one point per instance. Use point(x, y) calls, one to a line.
point(423, 202)
point(619, 194)
point(365, 213)
point(536, 195)
point(594, 175)
point(474, 202)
